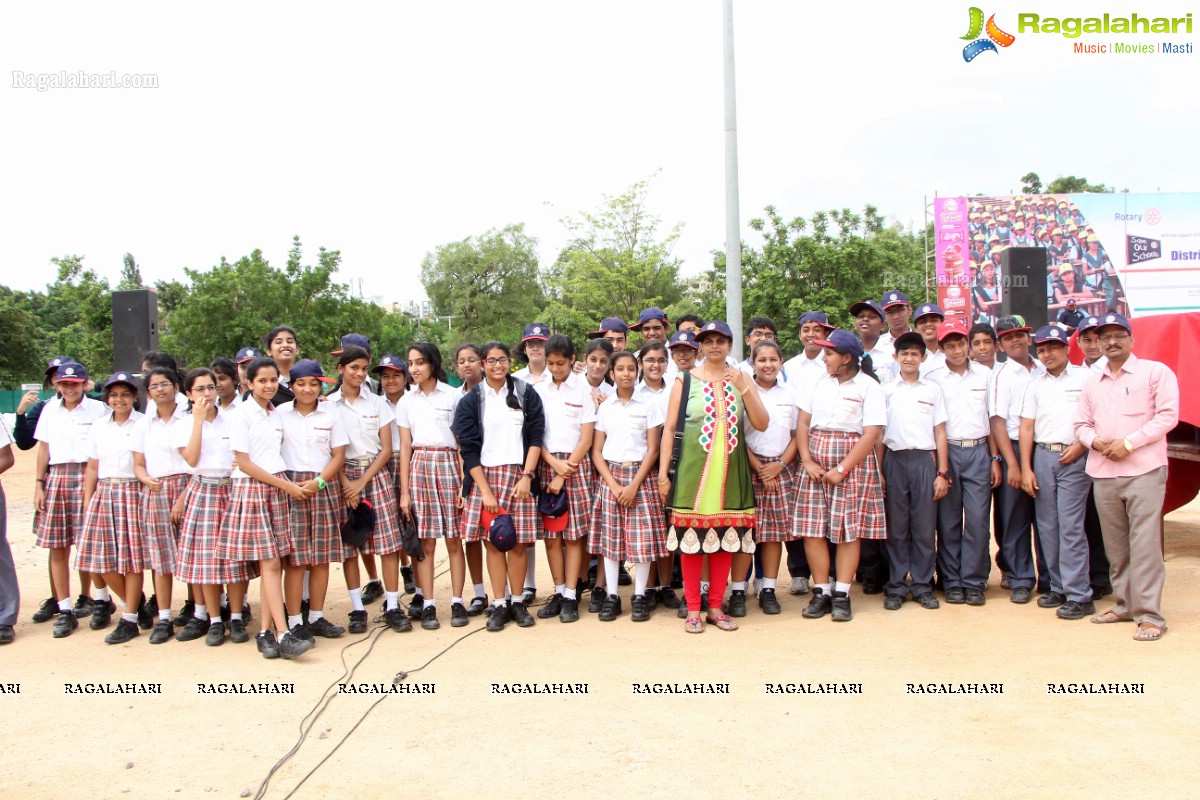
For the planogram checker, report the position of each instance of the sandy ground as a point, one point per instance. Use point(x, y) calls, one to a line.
point(610, 741)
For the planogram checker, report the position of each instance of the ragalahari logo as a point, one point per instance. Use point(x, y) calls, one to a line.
point(995, 36)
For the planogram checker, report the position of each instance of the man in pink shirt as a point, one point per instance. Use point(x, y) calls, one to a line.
point(1124, 416)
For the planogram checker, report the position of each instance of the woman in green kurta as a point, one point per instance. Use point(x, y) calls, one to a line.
point(709, 492)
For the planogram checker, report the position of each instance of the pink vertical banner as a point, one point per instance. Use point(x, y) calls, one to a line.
point(952, 257)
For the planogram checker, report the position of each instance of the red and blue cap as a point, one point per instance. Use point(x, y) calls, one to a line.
point(843, 342)
point(683, 339)
point(893, 298)
point(70, 371)
point(610, 324)
point(716, 326)
point(352, 340)
point(536, 332)
point(308, 368)
point(1050, 333)
point(247, 354)
point(391, 361)
point(654, 312)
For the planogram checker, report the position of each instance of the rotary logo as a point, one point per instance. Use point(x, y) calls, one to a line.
point(994, 37)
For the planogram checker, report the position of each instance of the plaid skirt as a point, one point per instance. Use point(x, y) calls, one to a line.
point(257, 524)
point(113, 539)
point(637, 533)
point(394, 470)
point(524, 513)
point(385, 539)
point(773, 510)
point(161, 537)
point(435, 481)
point(199, 532)
point(316, 524)
point(581, 494)
point(61, 523)
point(851, 510)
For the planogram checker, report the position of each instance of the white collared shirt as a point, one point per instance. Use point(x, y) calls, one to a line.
point(966, 400)
point(1052, 403)
point(932, 361)
point(309, 439)
point(257, 432)
point(428, 416)
point(568, 407)
point(625, 426)
point(883, 360)
point(848, 406)
point(913, 411)
point(503, 429)
point(216, 453)
point(1007, 392)
point(66, 432)
point(780, 402)
point(6, 439)
point(661, 397)
point(110, 445)
point(523, 374)
point(1099, 366)
point(153, 439)
point(364, 419)
point(395, 407)
point(802, 370)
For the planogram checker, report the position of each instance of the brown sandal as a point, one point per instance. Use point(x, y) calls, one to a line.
point(1149, 632)
point(722, 621)
point(1108, 617)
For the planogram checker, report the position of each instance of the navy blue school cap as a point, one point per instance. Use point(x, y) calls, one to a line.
point(1089, 324)
point(1050, 333)
point(843, 342)
point(1115, 319)
point(70, 371)
point(536, 331)
point(501, 531)
point(683, 339)
point(57, 362)
point(858, 307)
point(817, 317)
point(654, 312)
point(247, 354)
point(927, 309)
point(910, 340)
point(893, 298)
point(352, 340)
point(307, 368)
point(610, 324)
point(391, 361)
point(716, 326)
point(122, 377)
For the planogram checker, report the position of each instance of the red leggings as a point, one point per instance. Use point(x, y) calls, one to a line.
point(718, 574)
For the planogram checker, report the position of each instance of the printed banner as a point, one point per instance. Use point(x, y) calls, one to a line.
point(953, 242)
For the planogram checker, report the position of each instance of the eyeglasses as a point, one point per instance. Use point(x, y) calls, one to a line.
point(160, 387)
point(496, 362)
point(658, 361)
point(1113, 338)
point(762, 335)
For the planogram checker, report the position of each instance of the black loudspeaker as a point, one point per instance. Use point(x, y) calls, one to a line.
point(135, 328)
point(1023, 272)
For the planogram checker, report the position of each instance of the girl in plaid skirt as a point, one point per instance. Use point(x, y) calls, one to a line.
point(113, 544)
point(314, 451)
point(656, 366)
point(165, 475)
point(627, 523)
point(393, 383)
point(62, 434)
point(840, 498)
point(365, 477)
point(500, 426)
point(430, 479)
point(257, 525)
point(567, 442)
point(468, 362)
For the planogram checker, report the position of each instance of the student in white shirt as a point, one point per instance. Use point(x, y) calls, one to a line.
point(808, 366)
point(929, 317)
point(869, 324)
point(532, 351)
point(393, 384)
point(468, 360)
point(653, 362)
point(369, 420)
point(62, 433)
point(916, 474)
point(1095, 360)
point(228, 380)
point(758, 329)
point(314, 452)
point(963, 555)
point(160, 467)
point(566, 467)
point(112, 543)
point(596, 356)
point(257, 525)
point(1053, 472)
point(430, 478)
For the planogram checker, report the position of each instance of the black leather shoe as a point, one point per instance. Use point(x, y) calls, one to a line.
point(102, 611)
point(641, 608)
point(162, 632)
point(1021, 595)
point(237, 631)
point(187, 613)
point(596, 600)
point(928, 600)
point(570, 611)
point(1043, 587)
point(397, 620)
point(893, 602)
point(302, 632)
point(768, 602)
point(735, 606)
point(304, 609)
point(429, 620)
point(651, 599)
point(1104, 590)
point(410, 584)
point(145, 617)
point(820, 605)
point(291, 646)
point(668, 598)
point(1073, 609)
point(498, 618)
point(265, 641)
point(611, 609)
point(324, 628)
point(458, 615)
point(195, 629)
point(552, 608)
point(416, 607)
point(521, 614)
point(872, 587)
point(216, 634)
point(478, 604)
point(125, 631)
point(623, 576)
point(84, 606)
point(1051, 600)
point(47, 611)
point(955, 595)
point(358, 622)
point(975, 597)
point(841, 607)
point(65, 625)
point(372, 591)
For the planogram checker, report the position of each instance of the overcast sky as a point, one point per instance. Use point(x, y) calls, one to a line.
point(383, 130)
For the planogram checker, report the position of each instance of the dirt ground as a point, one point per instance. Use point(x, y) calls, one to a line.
point(464, 739)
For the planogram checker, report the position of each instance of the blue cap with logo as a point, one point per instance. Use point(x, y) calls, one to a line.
point(1050, 333)
point(1113, 318)
point(716, 326)
point(865, 305)
point(843, 342)
point(927, 309)
point(893, 298)
point(70, 371)
point(352, 340)
point(122, 377)
point(247, 354)
point(614, 324)
point(648, 314)
point(683, 339)
point(817, 317)
point(1090, 323)
point(536, 331)
point(391, 361)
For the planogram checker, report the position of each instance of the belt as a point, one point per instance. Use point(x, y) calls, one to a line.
point(360, 462)
point(210, 481)
point(118, 481)
point(624, 463)
point(436, 449)
point(767, 459)
point(1053, 448)
point(967, 442)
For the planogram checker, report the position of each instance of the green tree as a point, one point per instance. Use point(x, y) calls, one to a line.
point(1072, 185)
point(487, 284)
point(131, 275)
point(1031, 183)
point(78, 315)
point(22, 348)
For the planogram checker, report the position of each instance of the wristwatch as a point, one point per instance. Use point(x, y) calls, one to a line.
point(944, 474)
point(841, 469)
point(997, 459)
point(1128, 446)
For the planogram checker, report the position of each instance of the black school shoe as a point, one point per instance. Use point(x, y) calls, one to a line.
point(163, 630)
point(1051, 600)
point(324, 628)
point(498, 618)
point(641, 608)
point(84, 606)
point(145, 619)
point(216, 634)
point(237, 631)
point(125, 631)
point(1020, 595)
point(570, 610)
point(397, 620)
point(668, 598)
point(928, 600)
point(623, 576)
point(429, 620)
point(820, 605)
point(1073, 609)
point(596, 601)
point(768, 602)
point(841, 607)
point(552, 608)
point(65, 625)
point(185, 615)
point(358, 622)
point(735, 606)
point(893, 602)
point(102, 612)
point(975, 597)
point(521, 614)
point(47, 611)
point(265, 641)
point(372, 591)
point(416, 607)
point(291, 646)
point(6, 634)
point(682, 611)
point(410, 584)
point(870, 586)
point(610, 609)
point(195, 629)
point(302, 633)
point(458, 615)
point(478, 604)
point(955, 595)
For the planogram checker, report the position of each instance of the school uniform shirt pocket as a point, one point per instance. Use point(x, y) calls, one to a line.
point(849, 413)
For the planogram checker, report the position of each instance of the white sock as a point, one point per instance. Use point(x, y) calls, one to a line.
point(164, 613)
point(391, 600)
point(641, 576)
point(559, 588)
point(499, 603)
point(568, 594)
point(201, 612)
point(284, 635)
point(430, 603)
point(611, 568)
point(531, 569)
point(305, 594)
point(102, 595)
point(313, 616)
point(507, 595)
point(479, 592)
point(826, 589)
point(838, 586)
point(355, 599)
point(215, 619)
point(129, 616)
point(768, 583)
point(294, 620)
point(235, 615)
point(64, 605)
point(457, 600)
point(737, 586)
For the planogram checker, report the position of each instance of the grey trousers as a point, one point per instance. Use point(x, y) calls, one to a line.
point(1131, 515)
point(1016, 540)
point(911, 516)
point(10, 593)
point(1061, 505)
point(962, 555)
